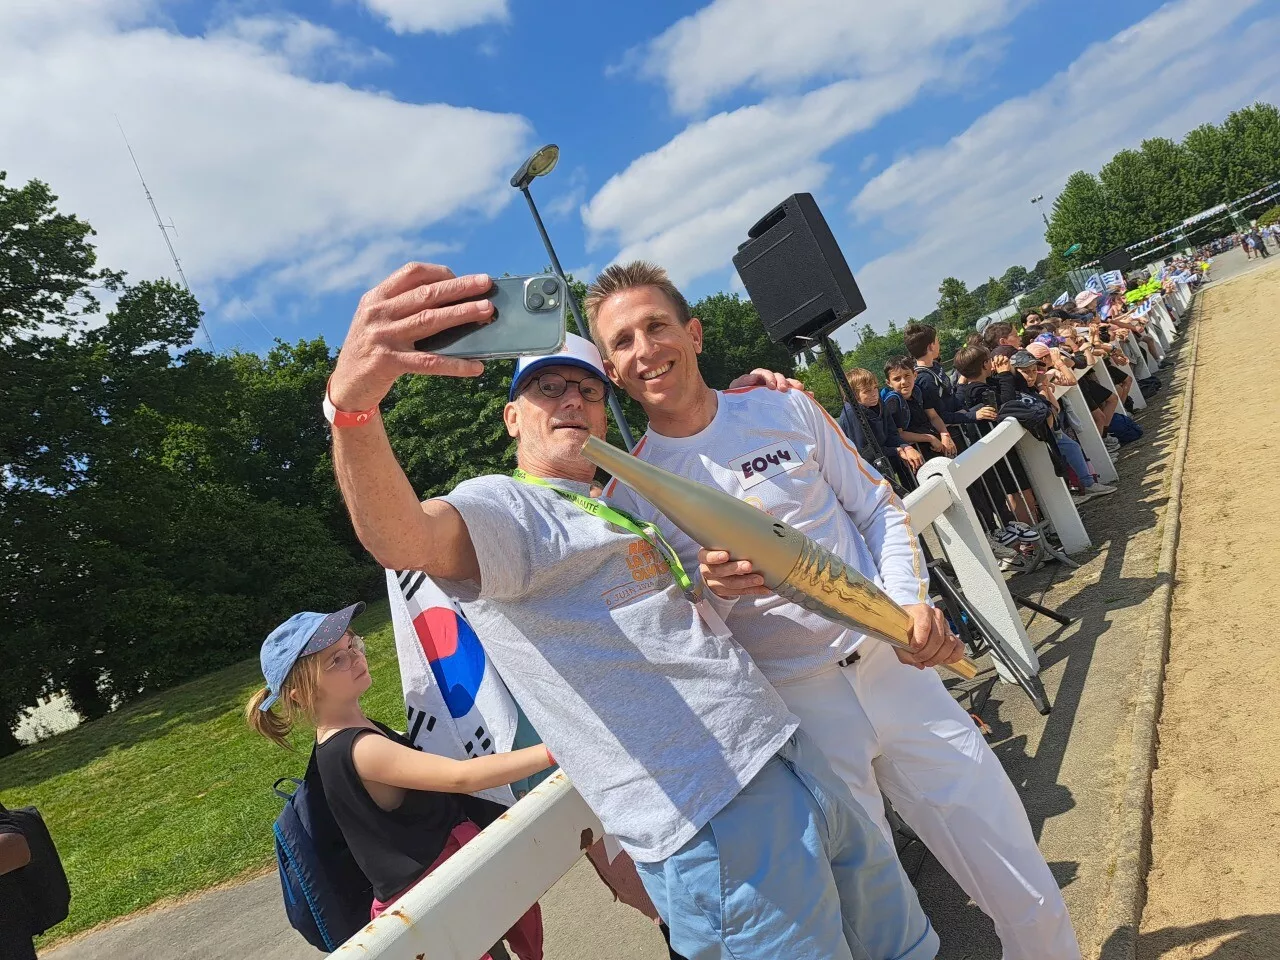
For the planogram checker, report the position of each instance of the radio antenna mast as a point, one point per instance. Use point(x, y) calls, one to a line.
point(164, 228)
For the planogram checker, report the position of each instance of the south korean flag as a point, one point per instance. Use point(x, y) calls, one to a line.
point(456, 704)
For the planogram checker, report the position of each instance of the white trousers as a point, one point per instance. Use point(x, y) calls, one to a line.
point(888, 727)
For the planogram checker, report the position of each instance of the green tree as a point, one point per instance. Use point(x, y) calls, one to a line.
point(1253, 148)
point(1207, 166)
point(1269, 216)
point(998, 295)
point(1016, 279)
point(1080, 215)
point(955, 304)
point(158, 512)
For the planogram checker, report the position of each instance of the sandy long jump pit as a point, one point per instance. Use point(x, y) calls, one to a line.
point(1214, 883)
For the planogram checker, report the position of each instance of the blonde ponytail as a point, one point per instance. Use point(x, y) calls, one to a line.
point(270, 724)
point(297, 700)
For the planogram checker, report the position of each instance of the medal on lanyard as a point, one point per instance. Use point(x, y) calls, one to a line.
point(620, 518)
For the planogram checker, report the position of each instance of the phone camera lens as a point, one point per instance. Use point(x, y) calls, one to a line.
point(549, 287)
point(535, 301)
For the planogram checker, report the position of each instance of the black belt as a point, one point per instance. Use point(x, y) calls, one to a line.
point(850, 660)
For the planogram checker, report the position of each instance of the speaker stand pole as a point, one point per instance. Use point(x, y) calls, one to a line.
point(872, 449)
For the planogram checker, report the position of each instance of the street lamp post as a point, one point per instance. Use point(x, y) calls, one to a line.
point(1035, 201)
point(539, 164)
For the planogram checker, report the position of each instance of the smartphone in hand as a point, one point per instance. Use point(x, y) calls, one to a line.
point(528, 318)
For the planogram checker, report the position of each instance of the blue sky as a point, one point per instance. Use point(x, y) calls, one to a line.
point(303, 150)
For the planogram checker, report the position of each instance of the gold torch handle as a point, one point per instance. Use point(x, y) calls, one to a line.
point(819, 582)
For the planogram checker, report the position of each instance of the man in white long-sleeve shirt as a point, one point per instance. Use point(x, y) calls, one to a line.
point(883, 718)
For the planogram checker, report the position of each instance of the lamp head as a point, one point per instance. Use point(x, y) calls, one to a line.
point(542, 162)
point(1037, 199)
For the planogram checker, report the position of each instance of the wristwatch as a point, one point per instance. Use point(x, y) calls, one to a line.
point(345, 418)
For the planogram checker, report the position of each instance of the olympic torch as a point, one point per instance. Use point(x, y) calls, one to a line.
point(793, 566)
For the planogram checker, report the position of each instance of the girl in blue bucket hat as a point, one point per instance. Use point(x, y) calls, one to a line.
point(399, 809)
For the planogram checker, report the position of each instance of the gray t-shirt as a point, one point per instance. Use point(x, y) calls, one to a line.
point(658, 721)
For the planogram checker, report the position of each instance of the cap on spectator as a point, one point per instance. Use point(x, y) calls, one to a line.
point(982, 324)
point(1086, 299)
point(299, 636)
point(1037, 350)
point(1050, 339)
point(576, 352)
point(1022, 359)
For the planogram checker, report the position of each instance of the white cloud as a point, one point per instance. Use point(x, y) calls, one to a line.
point(964, 203)
point(306, 47)
point(568, 202)
point(267, 174)
point(438, 16)
point(768, 45)
point(688, 203)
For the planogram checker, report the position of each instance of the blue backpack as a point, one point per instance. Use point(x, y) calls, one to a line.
point(1124, 429)
point(326, 895)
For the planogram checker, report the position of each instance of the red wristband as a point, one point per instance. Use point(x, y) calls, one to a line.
point(550, 758)
point(345, 418)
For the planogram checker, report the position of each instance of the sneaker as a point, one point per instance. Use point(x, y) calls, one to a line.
point(1014, 565)
point(1005, 538)
point(1081, 497)
point(1000, 547)
point(1111, 443)
point(1101, 489)
point(1022, 532)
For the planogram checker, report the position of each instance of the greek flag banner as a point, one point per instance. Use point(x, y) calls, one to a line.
point(1062, 300)
point(1095, 284)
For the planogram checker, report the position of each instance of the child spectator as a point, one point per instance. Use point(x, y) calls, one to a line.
point(1049, 363)
point(882, 422)
point(933, 389)
point(976, 394)
point(914, 425)
point(1001, 334)
point(401, 811)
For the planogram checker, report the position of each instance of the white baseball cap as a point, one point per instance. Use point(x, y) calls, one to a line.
point(576, 352)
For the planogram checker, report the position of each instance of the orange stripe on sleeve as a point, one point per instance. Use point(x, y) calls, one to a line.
point(913, 540)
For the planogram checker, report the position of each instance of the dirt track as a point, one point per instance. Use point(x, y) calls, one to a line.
point(1213, 887)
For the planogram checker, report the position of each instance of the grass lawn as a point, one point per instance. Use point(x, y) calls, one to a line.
point(172, 794)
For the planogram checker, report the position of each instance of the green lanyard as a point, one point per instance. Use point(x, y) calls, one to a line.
point(619, 518)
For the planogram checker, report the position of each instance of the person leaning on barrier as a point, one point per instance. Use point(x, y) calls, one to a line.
point(748, 844)
point(884, 426)
point(884, 720)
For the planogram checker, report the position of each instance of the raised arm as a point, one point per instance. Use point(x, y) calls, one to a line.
point(414, 302)
point(384, 761)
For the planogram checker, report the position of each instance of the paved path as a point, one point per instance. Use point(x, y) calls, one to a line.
point(247, 922)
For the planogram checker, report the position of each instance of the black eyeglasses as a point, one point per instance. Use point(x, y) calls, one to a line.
point(552, 385)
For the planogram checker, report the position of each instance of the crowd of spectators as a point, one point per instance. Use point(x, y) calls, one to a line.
point(1014, 369)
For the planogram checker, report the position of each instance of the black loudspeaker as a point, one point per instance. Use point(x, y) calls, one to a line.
point(1117, 259)
point(795, 274)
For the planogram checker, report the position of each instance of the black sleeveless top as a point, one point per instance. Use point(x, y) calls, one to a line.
point(393, 847)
